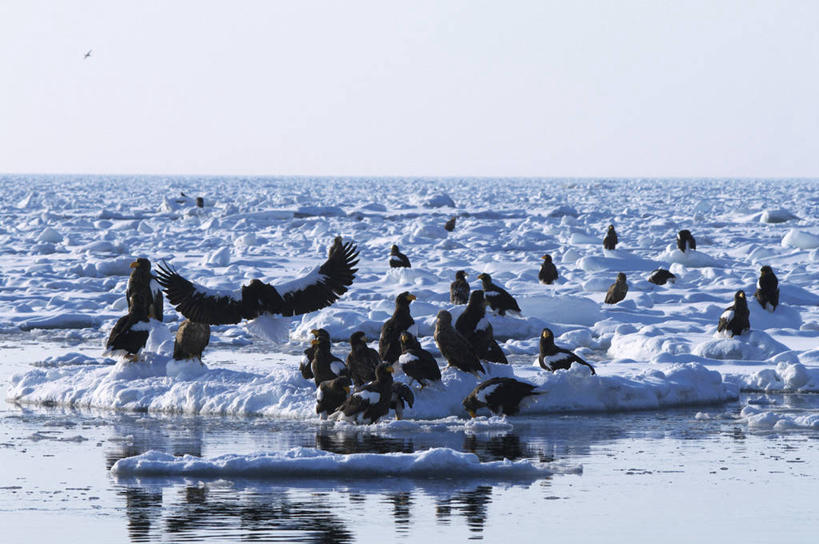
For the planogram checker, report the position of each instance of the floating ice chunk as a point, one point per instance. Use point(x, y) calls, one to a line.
point(314, 463)
point(788, 377)
point(778, 421)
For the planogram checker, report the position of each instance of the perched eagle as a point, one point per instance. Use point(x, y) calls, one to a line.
point(318, 289)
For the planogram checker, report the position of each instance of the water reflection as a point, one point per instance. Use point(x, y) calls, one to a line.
point(471, 504)
point(321, 510)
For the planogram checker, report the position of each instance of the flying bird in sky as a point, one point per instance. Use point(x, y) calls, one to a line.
point(88, 54)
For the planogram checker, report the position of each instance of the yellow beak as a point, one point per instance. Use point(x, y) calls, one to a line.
point(314, 342)
point(472, 414)
point(134, 264)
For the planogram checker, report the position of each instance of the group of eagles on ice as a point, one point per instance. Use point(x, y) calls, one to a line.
point(370, 371)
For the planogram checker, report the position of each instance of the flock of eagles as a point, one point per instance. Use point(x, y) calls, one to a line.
point(361, 389)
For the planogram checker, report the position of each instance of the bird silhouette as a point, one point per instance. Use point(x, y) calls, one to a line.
point(88, 54)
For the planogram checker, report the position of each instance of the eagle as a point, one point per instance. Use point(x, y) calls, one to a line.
point(318, 289)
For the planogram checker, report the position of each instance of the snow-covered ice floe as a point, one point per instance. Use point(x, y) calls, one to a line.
point(778, 421)
point(160, 384)
point(785, 378)
point(311, 463)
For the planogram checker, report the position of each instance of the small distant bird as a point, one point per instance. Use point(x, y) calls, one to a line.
point(454, 347)
point(325, 365)
point(499, 395)
point(143, 283)
point(402, 396)
point(661, 276)
point(548, 271)
point(474, 326)
point(372, 401)
point(497, 297)
point(389, 344)
point(553, 358)
point(735, 319)
point(416, 362)
point(459, 289)
point(87, 54)
point(610, 241)
point(617, 291)
point(685, 241)
point(331, 394)
point(191, 340)
point(362, 359)
point(130, 333)
point(305, 366)
point(398, 259)
point(767, 289)
point(450, 225)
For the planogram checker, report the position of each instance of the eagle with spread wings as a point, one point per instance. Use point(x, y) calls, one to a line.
point(318, 289)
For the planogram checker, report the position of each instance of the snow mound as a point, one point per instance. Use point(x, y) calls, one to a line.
point(616, 261)
point(66, 320)
point(560, 309)
point(439, 200)
point(777, 215)
point(562, 211)
point(786, 377)
point(800, 239)
point(72, 358)
point(751, 346)
point(691, 258)
point(312, 463)
point(50, 235)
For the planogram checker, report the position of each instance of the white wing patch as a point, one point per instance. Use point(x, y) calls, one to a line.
point(486, 391)
point(337, 367)
point(395, 258)
point(727, 315)
point(407, 358)
point(373, 397)
point(556, 358)
point(155, 288)
point(300, 284)
point(319, 393)
point(235, 295)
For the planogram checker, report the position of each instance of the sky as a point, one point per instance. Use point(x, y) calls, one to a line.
point(413, 88)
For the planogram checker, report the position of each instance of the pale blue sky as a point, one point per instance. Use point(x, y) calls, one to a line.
point(627, 88)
